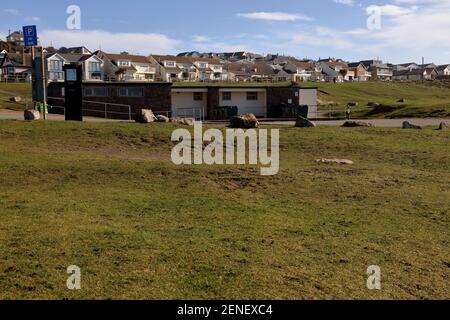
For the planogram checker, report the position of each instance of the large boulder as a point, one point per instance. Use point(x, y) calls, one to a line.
point(31, 115)
point(145, 116)
point(352, 104)
point(354, 124)
point(304, 123)
point(161, 118)
point(246, 121)
point(444, 126)
point(409, 125)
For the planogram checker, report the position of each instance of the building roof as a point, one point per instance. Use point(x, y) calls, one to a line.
point(443, 67)
point(185, 59)
point(130, 57)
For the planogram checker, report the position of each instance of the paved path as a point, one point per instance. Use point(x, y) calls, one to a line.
point(388, 123)
point(18, 115)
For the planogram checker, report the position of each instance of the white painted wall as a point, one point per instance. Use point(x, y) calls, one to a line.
point(239, 99)
point(183, 100)
point(309, 97)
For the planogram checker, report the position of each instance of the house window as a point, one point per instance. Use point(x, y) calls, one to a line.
point(123, 63)
point(198, 96)
point(169, 63)
point(56, 65)
point(96, 92)
point(94, 66)
point(252, 96)
point(226, 96)
point(131, 92)
point(202, 65)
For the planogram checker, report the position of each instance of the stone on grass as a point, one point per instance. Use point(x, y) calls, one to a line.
point(31, 115)
point(352, 104)
point(15, 99)
point(338, 161)
point(304, 123)
point(161, 118)
point(246, 121)
point(354, 124)
point(444, 126)
point(183, 121)
point(409, 125)
point(145, 116)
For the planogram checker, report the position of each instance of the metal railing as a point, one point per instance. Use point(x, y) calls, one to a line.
point(196, 113)
point(104, 111)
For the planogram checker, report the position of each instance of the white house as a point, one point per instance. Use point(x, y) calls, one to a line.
point(188, 68)
point(127, 67)
point(443, 70)
point(92, 66)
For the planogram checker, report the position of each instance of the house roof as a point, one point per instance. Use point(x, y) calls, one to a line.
point(412, 72)
point(131, 57)
point(17, 59)
point(301, 64)
point(443, 67)
point(185, 59)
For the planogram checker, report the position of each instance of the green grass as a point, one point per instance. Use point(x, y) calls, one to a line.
point(107, 198)
point(9, 90)
point(428, 99)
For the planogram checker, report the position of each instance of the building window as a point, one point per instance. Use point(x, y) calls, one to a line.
point(252, 96)
point(169, 63)
point(56, 65)
point(96, 92)
point(226, 96)
point(94, 66)
point(198, 96)
point(131, 92)
point(123, 63)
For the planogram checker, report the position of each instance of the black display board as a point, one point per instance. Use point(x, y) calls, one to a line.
point(73, 76)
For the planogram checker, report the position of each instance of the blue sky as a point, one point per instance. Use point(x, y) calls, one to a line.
point(408, 29)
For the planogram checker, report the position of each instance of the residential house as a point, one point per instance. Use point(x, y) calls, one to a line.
point(300, 70)
point(443, 70)
point(378, 69)
point(16, 37)
point(16, 66)
point(78, 50)
point(333, 70)
point(93, 66)
point(406, 66)
point(127, 67)
point(187, 68)
point(360, 73)
point(416, 74)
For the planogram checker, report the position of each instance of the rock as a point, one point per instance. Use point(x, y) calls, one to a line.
point(183, 121)
point(444, 126)
point(402, 100)
point(246, 121)
point(409, 125)
point(338, 161)
point(145, 116)
point(31, 115)
point(354, 124)
point(304, 123)
point(352, 104)
point(15, 99)
point(161, 118)
point(374, 104)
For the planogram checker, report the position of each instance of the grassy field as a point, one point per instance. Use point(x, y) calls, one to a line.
point(106, 197)
point(9, 90)
point(428, 99)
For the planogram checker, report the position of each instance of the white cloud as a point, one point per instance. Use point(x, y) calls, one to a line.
point(12, 11)
point(274, 16)
point(138, 43)
point(345, 2)
point(200, 38)
point(392, 10)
